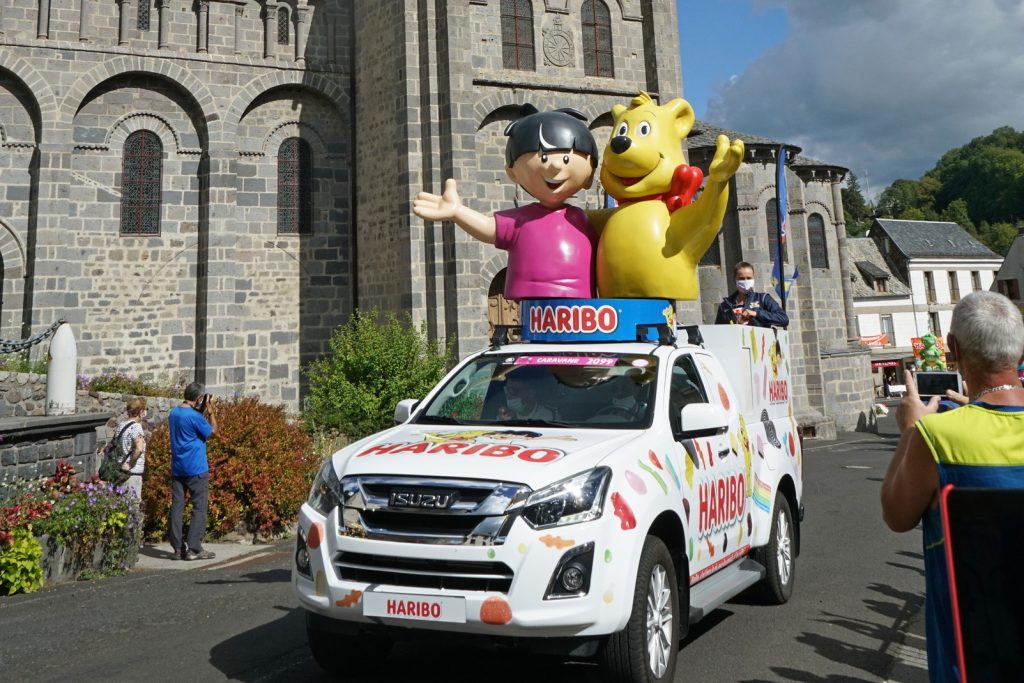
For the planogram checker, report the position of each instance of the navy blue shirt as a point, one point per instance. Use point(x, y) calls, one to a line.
point(769, 313)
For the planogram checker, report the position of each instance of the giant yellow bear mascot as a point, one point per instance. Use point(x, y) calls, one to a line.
point(646, 249)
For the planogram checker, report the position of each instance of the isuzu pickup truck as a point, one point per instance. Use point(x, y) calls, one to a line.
point(592, 489)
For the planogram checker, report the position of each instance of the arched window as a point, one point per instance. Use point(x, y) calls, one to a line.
point(142, 16)
point(772, 215)
point(597, 39)
point(294, 187)
point(517, 34)
point(141, 184)
point(283, 26)
point(816, 240)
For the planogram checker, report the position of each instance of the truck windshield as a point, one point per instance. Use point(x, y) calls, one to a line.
point(597, 391)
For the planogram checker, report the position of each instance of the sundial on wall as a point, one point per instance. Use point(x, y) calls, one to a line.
point(558, 47)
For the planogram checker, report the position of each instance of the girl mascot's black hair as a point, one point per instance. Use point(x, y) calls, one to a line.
point(548, 131)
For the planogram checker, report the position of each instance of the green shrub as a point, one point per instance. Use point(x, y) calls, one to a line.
point(370, 367)
point(261, 468)
point(20, 568)
point(120, 382)
point(20, 361)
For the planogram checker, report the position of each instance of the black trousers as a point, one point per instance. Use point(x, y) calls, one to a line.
point(198, 488)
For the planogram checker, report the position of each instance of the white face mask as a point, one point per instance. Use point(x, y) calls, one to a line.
point(745, 285)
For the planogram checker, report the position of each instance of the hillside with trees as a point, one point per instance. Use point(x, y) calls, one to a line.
point(980, 186)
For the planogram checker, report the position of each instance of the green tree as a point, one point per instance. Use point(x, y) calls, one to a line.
point(370, 367)
point(998, 236)
point(855, 209)
point(957, 213)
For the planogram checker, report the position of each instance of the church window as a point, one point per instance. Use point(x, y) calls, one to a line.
point(282, 26)
point(294, 187)
point(141, 184)
point(597, 39)
point(142, 16)
point(517, 34)
point(817, 242)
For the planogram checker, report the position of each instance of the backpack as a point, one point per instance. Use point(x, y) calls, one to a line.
point(112, 456)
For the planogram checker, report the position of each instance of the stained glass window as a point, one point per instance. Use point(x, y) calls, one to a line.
point(282, 26)
point(517, 34)
point(597, 39)
point(817, 242)
point(143, 15)
point(141, 184)
point(294, 187)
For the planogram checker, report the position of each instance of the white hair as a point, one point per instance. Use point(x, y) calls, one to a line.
point(989, 331)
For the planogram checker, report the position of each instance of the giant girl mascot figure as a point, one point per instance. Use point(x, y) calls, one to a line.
point(550, 244)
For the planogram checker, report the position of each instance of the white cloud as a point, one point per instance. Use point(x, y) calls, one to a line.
point(883, 86)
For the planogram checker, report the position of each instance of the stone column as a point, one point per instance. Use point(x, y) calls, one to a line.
point(239, 12)
point(844, 260)
point(270, 29)
point(43, 26)
point(83, 20)
point(301, 33)
point(204, 24)
point(162, 7)
point(122, 23)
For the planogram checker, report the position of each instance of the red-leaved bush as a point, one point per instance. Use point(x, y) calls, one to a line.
point(261, 468)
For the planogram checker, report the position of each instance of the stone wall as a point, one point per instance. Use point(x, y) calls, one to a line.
point(849, 390)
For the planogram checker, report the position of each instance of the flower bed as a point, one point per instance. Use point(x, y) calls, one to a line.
point(83, 528)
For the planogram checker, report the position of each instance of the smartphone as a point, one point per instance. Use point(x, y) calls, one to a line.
point(935, 383)
point(201, 403)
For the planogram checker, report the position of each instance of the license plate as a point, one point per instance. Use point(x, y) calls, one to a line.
point(418, 607)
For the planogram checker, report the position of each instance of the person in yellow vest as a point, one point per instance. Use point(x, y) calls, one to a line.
point(980, 444)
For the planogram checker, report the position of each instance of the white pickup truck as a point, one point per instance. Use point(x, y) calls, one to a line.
point(578, 492)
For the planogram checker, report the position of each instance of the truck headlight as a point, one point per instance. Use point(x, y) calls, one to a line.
point(326, 492)
point(577, 499)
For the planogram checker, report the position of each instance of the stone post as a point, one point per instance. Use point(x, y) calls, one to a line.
point(83, 20)
point(301, 33)
point(61, 366)
point(844, 260)
point(239, 12)
point(204, 25)
point(270, 29)
point(43, 26)
point(122, 21)
point(162, 7)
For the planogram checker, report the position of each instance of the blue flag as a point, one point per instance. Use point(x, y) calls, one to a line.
point(782, 220)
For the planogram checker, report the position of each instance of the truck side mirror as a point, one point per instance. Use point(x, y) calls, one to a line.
point(702, 419)
point(403, 411)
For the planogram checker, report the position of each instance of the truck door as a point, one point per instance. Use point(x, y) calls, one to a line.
point(713, 495)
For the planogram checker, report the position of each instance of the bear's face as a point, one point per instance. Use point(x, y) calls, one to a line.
point(645, 148)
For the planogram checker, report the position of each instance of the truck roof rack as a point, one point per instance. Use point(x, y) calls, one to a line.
point(666, 337)
point(693, 335)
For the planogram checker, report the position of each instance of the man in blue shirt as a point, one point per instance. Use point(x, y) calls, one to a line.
point(747, 307)
point(191, 424)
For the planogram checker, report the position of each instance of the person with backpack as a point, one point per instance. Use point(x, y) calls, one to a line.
point(191, 424)
point(133, 445)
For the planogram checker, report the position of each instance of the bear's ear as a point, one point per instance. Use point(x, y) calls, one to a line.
point(617, 111)
point(683, 114)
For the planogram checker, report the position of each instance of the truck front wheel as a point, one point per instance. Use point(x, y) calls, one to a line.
point(343, 655)
point(646, 650)
point(779, 556)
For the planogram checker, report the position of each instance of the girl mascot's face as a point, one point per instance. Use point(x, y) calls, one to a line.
point(552, 177)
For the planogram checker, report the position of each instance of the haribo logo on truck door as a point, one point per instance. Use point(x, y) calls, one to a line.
point(721, 503)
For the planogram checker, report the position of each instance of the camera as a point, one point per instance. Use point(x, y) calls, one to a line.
point(203, 402)
point(935, 383)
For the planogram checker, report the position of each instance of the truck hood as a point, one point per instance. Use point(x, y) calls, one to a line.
point(527, 455)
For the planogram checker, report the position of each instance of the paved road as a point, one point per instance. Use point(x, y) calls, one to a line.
point(859, 588)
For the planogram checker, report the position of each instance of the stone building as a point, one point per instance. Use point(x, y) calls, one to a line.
point(212, 186)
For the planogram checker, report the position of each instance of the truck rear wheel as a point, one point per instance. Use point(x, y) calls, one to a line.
point(646, 650)
point(341, 654)
point(779, 556)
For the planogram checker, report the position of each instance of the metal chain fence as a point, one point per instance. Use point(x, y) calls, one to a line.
point(16, 345)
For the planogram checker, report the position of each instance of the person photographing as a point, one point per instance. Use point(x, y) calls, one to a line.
point(191, 425)
point(747, 307)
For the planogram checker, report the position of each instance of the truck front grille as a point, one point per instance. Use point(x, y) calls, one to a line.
point(437, 511)
point(403, 571)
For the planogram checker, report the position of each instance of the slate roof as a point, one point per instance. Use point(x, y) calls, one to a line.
point(932, 239)
point(703, 134)
point(870, 264)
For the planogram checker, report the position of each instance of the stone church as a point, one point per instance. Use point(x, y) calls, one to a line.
point(212, 186)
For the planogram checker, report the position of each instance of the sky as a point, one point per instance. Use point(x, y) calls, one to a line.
point(882, 87)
